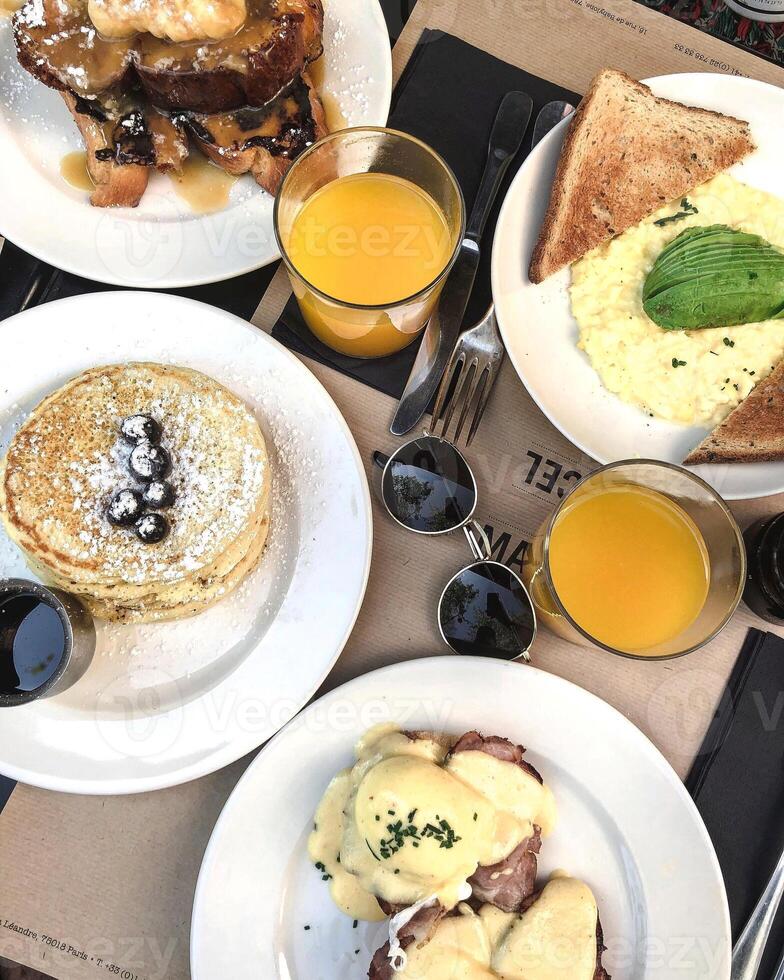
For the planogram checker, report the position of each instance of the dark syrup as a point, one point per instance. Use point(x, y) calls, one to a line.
point(32, 643)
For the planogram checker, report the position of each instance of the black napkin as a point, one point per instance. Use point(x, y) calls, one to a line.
point(448, 96)
point(737, 782)
point(6, 788)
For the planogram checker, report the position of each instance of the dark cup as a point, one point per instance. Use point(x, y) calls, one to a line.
point(44, 633)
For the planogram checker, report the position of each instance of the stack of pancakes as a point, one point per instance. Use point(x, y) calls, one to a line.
point(68, 459)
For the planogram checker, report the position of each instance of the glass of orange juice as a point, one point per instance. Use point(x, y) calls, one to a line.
point(642, 558)
point(368, 221)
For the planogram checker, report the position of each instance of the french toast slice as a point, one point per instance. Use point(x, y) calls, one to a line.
point(626, 153)
point(246, 100)
point(279, 39)
point(122, 147)
point(263, 142)
point(118, 183)
point(58, 44)
point(753, 432)
point(170, 141)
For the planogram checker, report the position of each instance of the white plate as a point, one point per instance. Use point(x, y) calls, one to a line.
point(626, 825)
point(168, 702)
point(162, 243)
point(540, 332)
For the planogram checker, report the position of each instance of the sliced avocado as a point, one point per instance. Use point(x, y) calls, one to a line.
point(715, 276)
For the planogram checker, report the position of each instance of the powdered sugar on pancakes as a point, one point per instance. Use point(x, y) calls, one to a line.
point(219, 472)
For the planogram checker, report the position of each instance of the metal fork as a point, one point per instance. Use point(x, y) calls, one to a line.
point(469, 377)
point(480, 350)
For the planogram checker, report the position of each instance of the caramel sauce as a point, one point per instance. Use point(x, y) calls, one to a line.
point(316, 73)
point(204, 186)
point(230, 128)
point(171, 147)
point(73, 170)
point(75, 52)
point(336, 118)
point(9, 7)
point(333, 113)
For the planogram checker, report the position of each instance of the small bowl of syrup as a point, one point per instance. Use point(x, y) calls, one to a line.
point(47, 641)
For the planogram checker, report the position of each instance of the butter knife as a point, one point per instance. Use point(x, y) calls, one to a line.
point(443, 328)
point(549, 116)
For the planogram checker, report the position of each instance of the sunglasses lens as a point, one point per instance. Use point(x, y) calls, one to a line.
point(428, 486)
point(486, 612)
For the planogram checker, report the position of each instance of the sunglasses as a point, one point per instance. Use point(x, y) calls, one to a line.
point(428, 487)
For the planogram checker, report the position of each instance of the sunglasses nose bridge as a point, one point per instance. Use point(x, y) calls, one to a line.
point(478, 541)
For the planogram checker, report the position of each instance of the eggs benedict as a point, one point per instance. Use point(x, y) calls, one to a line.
point(421, 817)
point(556, 935)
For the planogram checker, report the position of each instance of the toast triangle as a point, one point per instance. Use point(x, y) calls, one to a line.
point(753, 432)
point(628, 152)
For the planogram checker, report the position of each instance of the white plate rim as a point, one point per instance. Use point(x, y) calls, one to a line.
point(199, 912)
point(44, 250)
point(504, 318)
point(234, 750)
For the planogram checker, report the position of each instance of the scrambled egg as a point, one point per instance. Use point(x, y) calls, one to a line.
point(696, 377)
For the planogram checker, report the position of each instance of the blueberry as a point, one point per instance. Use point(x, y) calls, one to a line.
point(152, 528)
point(159, 494)
point(140, 428)
point(125, 507)
point(149, 462)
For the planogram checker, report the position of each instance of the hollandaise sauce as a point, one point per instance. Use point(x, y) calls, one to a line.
point(410, 822)
point(555, 939)
point(630, 567)
point(370, 240)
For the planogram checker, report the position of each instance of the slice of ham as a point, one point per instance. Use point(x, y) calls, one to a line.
point(500, 748)
point(512, 880)
point(600, 973)
point(509, 882)
point(418, 930)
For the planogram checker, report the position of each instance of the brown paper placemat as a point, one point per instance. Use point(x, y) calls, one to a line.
point(114, 878)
